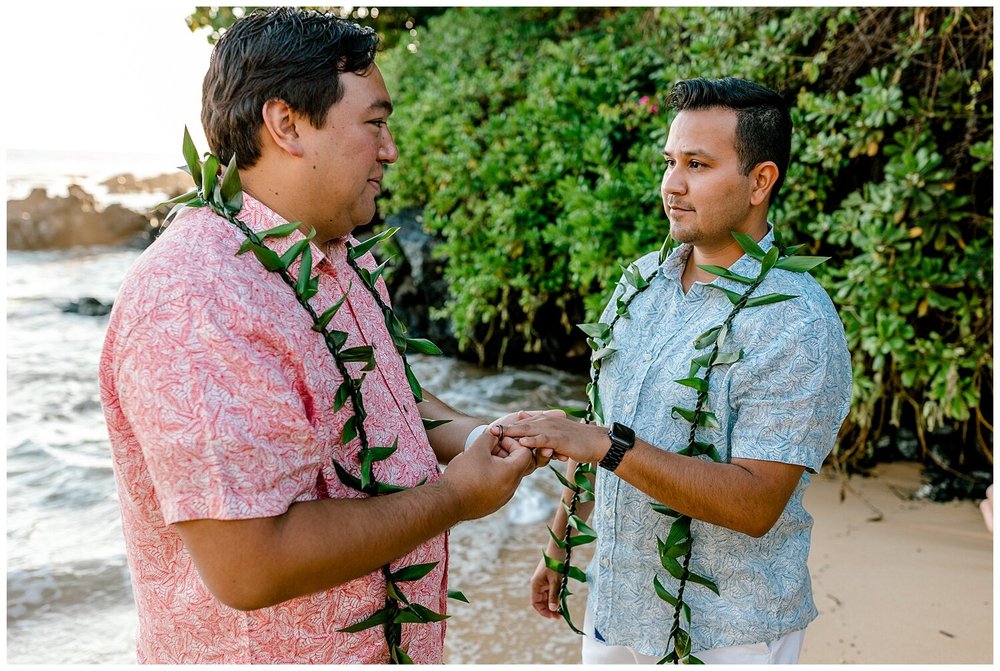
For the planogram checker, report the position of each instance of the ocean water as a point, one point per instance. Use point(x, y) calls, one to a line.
point(68, 592)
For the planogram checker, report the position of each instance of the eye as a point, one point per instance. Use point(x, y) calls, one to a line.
point(380, 123)
point(670, 162)
point(696, 164)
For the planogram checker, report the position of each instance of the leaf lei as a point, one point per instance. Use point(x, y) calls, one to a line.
point(674, 551)
point(225, 197)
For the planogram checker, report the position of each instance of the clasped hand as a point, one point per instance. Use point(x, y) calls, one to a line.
point(550, 434)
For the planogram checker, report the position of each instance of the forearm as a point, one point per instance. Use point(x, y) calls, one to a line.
point(746, 496)
point(447, 440)
point(315, 545)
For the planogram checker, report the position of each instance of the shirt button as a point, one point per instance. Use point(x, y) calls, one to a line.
point(647, 357)
point(605, 563)
point(628, 408)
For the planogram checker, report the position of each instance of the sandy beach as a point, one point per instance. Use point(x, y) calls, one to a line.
point(896, 581)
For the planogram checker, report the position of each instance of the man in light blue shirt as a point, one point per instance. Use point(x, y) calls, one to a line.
point(779, 409)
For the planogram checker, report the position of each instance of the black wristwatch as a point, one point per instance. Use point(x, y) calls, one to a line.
point(622, 440)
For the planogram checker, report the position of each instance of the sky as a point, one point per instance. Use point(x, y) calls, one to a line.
point(101, 77)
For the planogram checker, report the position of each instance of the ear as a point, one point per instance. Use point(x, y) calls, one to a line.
point(280, 125)
point(762, 179)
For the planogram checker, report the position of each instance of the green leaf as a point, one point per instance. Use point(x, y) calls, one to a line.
point(558, 541)
point(701, 580)
point(342, 395)
point(663, 510)
point(800, 264)
point(433, 423)
point(768, 299)
point(691, 659)
point(725, 358)
point(336, 339)
point(232, 190)
point(209, 177)
point(581, 539)
point(578, 413)
point(191, 158)
point(393, 592)
point(562, 478)
point(564, 611)
point(665, 249)
point(325, 318)
point(682, 643)
point(768, 261)
point(673, 566)
point(379, 617)
point(602, 353)
point(621, 308)
point(350, 430)
point(284, 230)
point(423, 346)
point(414, 572)
point(582, 481)
point(399, 656)
point(293, 252)
point(266, 256)
point(577, 574)
point(359, 250)
point(418, 393)
point(733, 297)
point(577, 523)
point(386, 488)
point(694, 382)
point(362, 354)
point(597, 330)
point(707, 338)
point(182, 199)
point(662, 592)
point(728, 274)
point(749, 246)
point(417, 613)
point(457, 596)
point(306, 286)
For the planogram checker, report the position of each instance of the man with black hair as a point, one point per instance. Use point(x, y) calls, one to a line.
point(244, 544)
point(779, 409)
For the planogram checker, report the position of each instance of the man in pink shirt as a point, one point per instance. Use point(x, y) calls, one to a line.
point(243, 543)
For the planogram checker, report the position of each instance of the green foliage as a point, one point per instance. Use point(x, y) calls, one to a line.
point(532, 137)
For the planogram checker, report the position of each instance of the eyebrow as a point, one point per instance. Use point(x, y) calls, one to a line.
point(691, 152)
point(383, 105)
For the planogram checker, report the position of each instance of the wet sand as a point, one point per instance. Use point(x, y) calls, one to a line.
point(896, 581)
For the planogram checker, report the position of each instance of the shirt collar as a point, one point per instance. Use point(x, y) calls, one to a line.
point(259, 217)
point(673, 265)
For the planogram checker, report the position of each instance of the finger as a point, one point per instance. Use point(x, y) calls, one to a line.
point(555, 412)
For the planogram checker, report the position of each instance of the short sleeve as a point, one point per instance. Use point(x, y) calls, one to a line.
point(790, 396)
point(213, 403)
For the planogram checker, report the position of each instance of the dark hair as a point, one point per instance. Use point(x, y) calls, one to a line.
point(763, 121)
point(287, 54)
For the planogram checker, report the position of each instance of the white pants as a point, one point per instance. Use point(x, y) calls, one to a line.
point(785, 650)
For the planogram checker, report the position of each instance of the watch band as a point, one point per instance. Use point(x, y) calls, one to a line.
point(622, 440)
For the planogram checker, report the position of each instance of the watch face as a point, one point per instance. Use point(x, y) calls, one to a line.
point(623, 433)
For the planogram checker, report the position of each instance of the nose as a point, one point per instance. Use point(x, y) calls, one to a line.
point(672, 184)
point(388, 152)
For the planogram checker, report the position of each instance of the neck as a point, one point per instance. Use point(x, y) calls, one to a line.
point(723, 254)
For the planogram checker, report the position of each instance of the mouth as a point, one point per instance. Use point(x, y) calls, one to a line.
point(377, 184)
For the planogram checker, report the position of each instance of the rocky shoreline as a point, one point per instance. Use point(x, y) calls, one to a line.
point(42, 221)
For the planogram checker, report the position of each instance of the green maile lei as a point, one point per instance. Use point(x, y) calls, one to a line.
point(225, 197)
point(675, 549)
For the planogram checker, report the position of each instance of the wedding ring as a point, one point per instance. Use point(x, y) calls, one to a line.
point(500, 437)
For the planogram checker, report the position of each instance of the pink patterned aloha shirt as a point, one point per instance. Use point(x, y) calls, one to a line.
point(219, 403)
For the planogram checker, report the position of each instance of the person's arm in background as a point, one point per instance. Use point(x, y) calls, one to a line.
point(545, 582)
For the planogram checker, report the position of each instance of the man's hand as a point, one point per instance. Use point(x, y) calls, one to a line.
point(505, 444)
point(545, 589)
point(482, 481)
point(553, 432)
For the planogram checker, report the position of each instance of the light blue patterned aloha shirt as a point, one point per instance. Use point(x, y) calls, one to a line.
point(785, 401)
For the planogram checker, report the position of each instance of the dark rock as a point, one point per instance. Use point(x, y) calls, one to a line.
point(417, 282)
point(87, 306)
point(173, 184)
